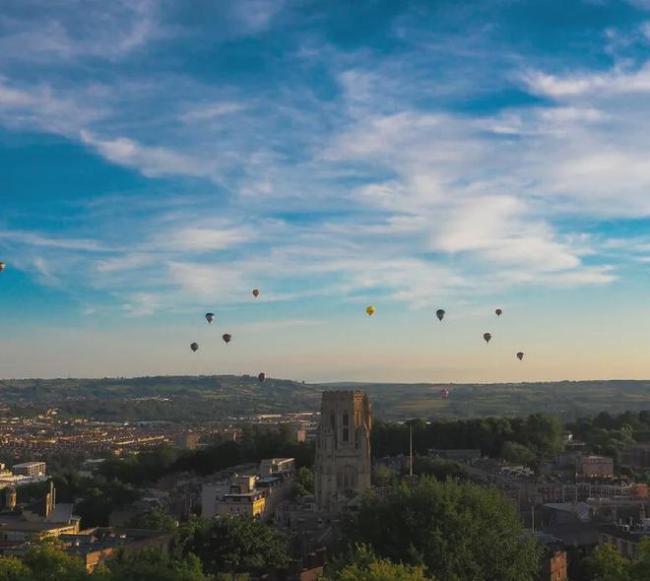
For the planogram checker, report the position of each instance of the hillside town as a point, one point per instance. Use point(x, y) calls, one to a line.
point(570, 503)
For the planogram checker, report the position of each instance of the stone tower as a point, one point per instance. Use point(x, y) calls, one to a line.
point(342, 448)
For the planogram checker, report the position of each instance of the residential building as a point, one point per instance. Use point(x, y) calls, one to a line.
point(274, 466)
point(187, 440)
point(625, 538)
point(595, 467)
point(35, 522)
point(30, 469)
point(96, 545)
point(244, 499)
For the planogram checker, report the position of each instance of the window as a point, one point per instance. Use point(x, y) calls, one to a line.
point(346, 431)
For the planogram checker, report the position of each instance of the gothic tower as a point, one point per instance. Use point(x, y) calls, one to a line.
point(342, 448)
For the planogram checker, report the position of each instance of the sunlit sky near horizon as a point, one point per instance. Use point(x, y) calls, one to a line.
point(160, 159)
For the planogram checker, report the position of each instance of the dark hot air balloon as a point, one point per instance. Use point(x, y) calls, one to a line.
point(440, 313)
point(498, 312)
point(261, 377)
point(487, 337)
point(256, 292)
point(209, 317)
point(226, 337)
point(194, 347)
point(520, 355)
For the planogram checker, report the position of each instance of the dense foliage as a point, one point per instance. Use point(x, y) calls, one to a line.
point(364, 565)
point(200, 551)
point(49, 562)
point(538, 434)
point(606, 433)
point(607, 565)
point(234, 545)
point(456, 531)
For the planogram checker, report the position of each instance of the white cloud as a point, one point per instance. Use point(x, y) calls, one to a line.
point(129, 261)
point(499, 229)
point(141, 304)
point(256, 15)
point(152, 161)
point(40, 107)
point(575, 85)
point(212, 111)
point(34, 239)
point(45, 271)
point(55, 33)
point(208, 281)
point(202, 239)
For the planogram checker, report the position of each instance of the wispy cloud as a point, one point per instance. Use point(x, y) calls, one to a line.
point(153, 161)
point(34, 239)
point(43, 34)
point(141, 304)
point(575, 85)
point(211, 111)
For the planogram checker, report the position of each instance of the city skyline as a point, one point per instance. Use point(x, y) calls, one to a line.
point(160, 163)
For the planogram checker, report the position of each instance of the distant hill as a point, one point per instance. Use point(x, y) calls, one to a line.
point(201, 398)
point(569, 399)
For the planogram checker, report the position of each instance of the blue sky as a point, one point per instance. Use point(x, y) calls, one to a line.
point(159, 160)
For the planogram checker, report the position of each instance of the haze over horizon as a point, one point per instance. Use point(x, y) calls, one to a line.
point(160, 162)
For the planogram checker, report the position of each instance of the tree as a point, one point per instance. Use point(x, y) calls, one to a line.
point(304, 482)
point(153, 565)
point(235, 545)
point(49, 562)
point(518, 453)
point(640, 568)
point(383, 476)
point(544, 433)
point(607, 565)
point(457, 531)
point(13, 569)
point(364, 565)
point(439, 468)
point(155, 520)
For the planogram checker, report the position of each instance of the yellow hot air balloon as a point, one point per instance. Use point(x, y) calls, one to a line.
point(370, 310)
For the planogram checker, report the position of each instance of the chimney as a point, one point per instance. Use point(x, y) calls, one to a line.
point(50, 500)
point(11, 498)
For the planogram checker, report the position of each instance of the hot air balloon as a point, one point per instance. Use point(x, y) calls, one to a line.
point(226, 337)
point(487, 337)
point(261, 377)
point(520, 355)
point(370, 310)
point(2, 266)
point(498, 312)
point(194, 347)
point(256, 292)
point(440, 313)
point(209, 317)
point(444, 393)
